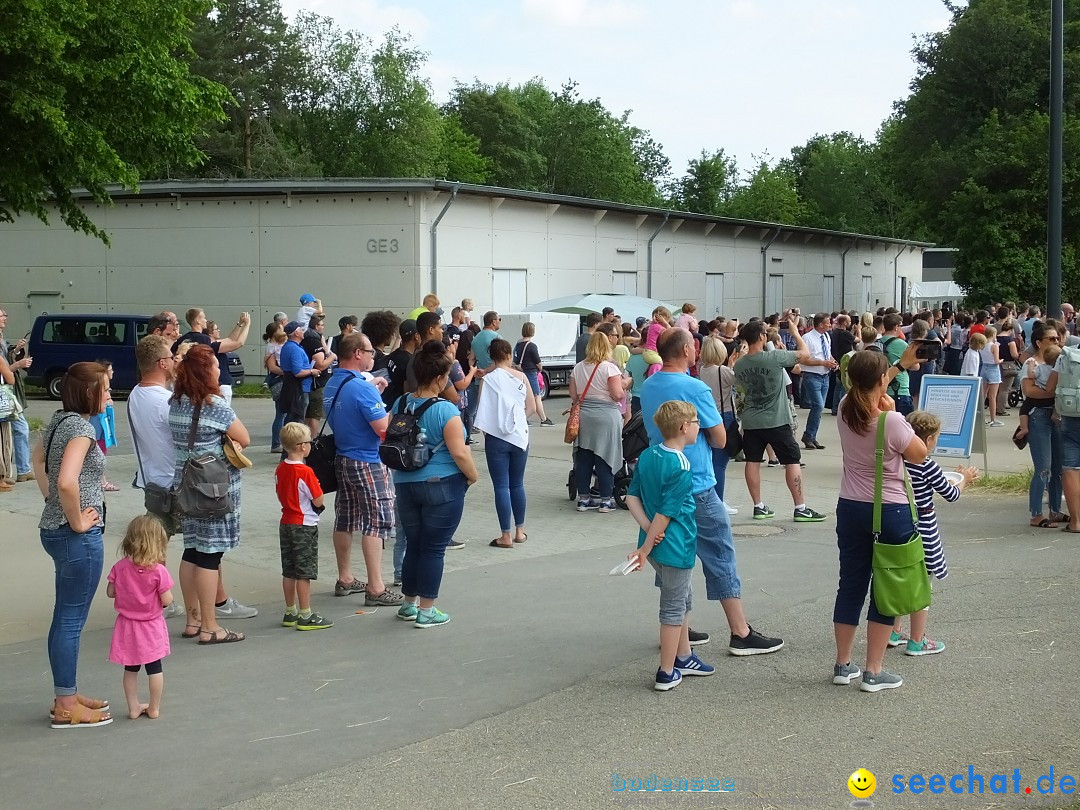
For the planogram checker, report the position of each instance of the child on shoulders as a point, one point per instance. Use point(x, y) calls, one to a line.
point(661, 499)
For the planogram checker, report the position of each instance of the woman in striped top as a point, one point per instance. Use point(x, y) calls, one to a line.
point(926, 479)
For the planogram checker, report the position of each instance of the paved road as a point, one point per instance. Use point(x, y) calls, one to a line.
point(537, 694)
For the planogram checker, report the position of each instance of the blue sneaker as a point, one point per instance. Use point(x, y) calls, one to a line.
point(667, 680)
point(692, 665)
point(408, 612)
point(433, 619)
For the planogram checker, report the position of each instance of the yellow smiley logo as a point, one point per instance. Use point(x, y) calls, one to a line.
point(862, 784)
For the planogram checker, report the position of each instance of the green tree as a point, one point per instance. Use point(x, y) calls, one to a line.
point(768, 195)
point(707, 186)
point(247, 46)
point(839, 181)
point(93, 94)
point(968, 147)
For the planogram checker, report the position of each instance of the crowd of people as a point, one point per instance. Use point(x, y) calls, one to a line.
point(707, 392)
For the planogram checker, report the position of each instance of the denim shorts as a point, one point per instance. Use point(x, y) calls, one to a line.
point(534, 381)
point(1070, 443)
point(716, 547)
point(675, 592)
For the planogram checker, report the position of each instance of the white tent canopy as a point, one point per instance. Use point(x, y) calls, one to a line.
point(925, 291)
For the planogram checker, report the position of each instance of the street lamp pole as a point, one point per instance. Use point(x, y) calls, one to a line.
point(1053, 229)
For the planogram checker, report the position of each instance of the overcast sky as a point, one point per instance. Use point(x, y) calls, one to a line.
point(748, 76)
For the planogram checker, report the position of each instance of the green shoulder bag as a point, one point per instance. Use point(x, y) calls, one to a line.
point(901, 584)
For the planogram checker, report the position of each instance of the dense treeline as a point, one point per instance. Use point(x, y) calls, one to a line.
point(962, 161)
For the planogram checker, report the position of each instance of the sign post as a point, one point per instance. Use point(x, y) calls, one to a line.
point(957, 402)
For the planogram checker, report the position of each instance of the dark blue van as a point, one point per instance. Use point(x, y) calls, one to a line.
point(57, 341)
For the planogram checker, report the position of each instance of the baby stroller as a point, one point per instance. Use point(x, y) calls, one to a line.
point(634, 442)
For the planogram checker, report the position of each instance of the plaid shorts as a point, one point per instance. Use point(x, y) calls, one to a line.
point(365, 498)
point(299, 551)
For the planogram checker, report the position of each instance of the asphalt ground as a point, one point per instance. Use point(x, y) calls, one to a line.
point(538, 692)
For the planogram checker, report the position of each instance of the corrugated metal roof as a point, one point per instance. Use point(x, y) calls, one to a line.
point(361, 185)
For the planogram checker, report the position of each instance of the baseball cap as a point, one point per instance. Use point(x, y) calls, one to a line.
point(641, 322)
point(407, 329)
point(307, 298)
point(292, 326)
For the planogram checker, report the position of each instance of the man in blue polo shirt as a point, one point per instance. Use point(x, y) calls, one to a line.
point(365, 496)
point(715, 547)
point(482, 342)
point(299, 369)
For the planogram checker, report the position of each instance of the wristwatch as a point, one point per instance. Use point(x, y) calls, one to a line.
point(898, 366)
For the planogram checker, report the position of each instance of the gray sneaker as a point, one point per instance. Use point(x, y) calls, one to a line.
point(234, 610)
point(875, 682)
point(388, 598)
point(174, 609)
point(843, 674)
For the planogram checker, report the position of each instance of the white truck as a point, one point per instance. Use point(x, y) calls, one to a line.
point(556, 334)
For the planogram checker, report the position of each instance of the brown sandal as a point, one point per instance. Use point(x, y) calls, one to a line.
point(186, 634)
point(86, 702)
point(80, 716)
point(229, 637)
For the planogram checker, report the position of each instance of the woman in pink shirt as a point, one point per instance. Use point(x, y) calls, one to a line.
point(870, 375)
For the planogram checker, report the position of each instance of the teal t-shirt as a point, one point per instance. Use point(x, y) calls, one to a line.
point(637, 367)
point(895, 347)
point(761, 377)
point(664, 483)
point(442, 464)
point(480, 345)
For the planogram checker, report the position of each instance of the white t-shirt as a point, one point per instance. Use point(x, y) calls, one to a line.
point(598, 390)
point(304, 314)
point(148, 406)
point(971, 364)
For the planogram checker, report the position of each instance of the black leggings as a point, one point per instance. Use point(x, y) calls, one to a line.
point(153, 668)
point(203, 559)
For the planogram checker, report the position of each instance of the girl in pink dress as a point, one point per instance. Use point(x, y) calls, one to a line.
point(141, 586)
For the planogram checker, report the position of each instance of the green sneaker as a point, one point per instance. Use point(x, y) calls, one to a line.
point(763, 513)
point(408, 611)
point(313, 622)
point(808, 515)
point(434, 619)
point(289, 620)
point(896, 639)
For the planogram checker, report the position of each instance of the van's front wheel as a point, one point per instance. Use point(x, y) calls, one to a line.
point(52, 385)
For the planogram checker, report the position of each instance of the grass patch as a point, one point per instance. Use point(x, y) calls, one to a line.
point(35, 424)
point(1011, 484)
point(251, 391)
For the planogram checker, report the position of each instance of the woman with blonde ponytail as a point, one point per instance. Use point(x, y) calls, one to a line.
point(867, 398)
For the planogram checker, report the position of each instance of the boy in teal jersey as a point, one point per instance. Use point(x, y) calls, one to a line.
point(661, 499)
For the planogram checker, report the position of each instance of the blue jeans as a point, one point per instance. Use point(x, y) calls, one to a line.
point(430, 511)
point(720, 458)
point(275, 429)
point(399, 541)
point(586, 462)
point(473, 392)
point(838, 394)
point(855, 540)
point(904, 405)
point(716, 548)
point(20, 435)
point(78, 560)
point(814, 388)
point(506, 466)
point(1044, 443)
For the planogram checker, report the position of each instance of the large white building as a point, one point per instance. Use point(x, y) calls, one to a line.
point(369, 244)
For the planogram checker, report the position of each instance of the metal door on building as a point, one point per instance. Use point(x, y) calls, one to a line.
point(509, 290)
point(714, 295)
point(866, 293)
point(828, 298)
point(901, 293)
point(624, 282)
point(775, 302)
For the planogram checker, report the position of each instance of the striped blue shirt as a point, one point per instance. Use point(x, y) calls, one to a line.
point(926, 479)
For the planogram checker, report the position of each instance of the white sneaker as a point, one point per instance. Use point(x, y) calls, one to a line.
point(234, 610)
point(175, 609)
point(731, 510)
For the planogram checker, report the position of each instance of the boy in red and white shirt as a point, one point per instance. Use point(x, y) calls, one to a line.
point(301, 500)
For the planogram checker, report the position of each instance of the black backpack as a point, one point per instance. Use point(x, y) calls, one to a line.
point(402, 448)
